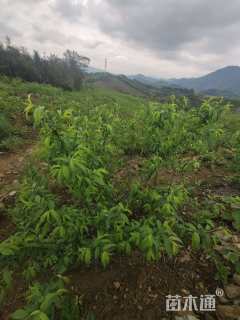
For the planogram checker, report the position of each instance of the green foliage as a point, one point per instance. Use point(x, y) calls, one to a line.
point(73, 207)
point(5, 284)
point(63, 72)
point(48, 301)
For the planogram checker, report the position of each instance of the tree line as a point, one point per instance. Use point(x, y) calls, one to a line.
point(66, 72)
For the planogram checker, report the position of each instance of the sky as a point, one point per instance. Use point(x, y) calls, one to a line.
point(160, 38)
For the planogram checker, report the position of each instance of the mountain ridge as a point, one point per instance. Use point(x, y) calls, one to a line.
point(224, 81)
point(221, 82)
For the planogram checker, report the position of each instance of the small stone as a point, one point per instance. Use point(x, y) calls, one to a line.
point(220, 248)
point(12, 193)
point(235, 239)
point(228, 312)
point(140, 308)
point(232, 291)
point(236, 279)
point(153, 296)
point(237, 245)
point(116, 284)
point(185, 258)
point(223, 235)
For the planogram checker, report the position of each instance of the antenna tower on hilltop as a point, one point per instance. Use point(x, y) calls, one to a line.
point(105, 65)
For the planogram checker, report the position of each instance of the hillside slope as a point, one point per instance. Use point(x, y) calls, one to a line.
point(224, 82)
point(140, 88)
point(121, 203)
point(225, 79)
point(148, 80)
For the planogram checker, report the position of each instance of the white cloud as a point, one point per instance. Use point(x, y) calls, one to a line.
point(162, 38)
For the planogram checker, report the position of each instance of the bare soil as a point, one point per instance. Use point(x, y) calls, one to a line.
point(11, 167)
point(131, 289)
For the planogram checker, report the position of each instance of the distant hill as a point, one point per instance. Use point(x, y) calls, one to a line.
point(116, 82)
point(225, 81)
point(135, 87)
point(145, 79)
point(219, 93)
point(155, 82)
point(89, 69)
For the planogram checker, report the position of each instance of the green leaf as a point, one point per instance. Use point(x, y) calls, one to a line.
point(7, 250)
point(48, 301)
point(38, 115)
point(196, 240)
point(7, 278)
point(168, 246)
point(87, 256)
point(66, 172)
point(174, 248)
point(19, 314)
point(105, 258)
point(39, 315)
point(150, 255)
point(236, 218)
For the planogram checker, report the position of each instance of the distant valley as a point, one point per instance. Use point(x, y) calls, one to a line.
point(222, 82)
point(140, 86)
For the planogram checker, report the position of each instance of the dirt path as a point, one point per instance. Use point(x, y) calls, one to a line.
point(11, 167)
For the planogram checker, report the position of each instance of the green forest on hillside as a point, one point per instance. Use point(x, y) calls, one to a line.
point(65, 72)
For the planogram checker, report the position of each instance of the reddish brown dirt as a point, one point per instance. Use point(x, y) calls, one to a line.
point(6, 227)
point(131, 171)
point(130, 289)
point(11, 166)
point(203, 174)
point(16, 298)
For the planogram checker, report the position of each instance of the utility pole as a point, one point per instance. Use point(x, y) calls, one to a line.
point(106, 64)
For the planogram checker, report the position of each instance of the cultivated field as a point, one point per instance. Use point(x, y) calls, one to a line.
point(109, 203)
